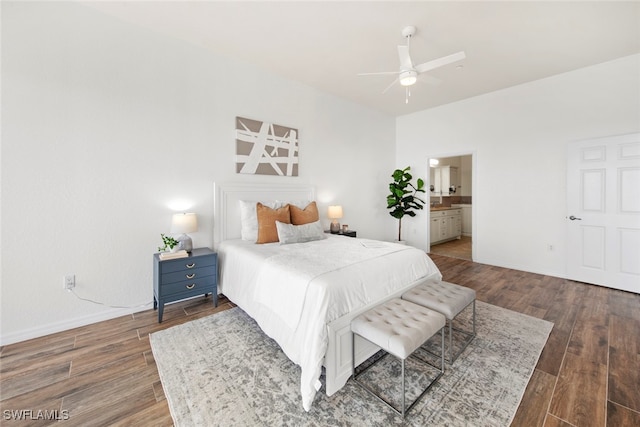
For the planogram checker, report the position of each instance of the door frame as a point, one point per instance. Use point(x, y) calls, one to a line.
point(474, 193)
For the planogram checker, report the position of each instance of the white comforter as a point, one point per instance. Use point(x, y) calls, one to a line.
point(294, 291)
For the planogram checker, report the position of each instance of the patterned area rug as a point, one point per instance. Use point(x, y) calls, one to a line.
point(223, 370)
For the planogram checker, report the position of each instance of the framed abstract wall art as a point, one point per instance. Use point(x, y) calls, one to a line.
point(266, 148)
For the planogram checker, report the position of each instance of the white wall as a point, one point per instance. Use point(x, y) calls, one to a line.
point(105, 124)
point(518, 137)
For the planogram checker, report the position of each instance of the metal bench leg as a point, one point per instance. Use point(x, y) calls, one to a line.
point(403, 391)
point(442, 365)
point(474, 318)
point(451, 340)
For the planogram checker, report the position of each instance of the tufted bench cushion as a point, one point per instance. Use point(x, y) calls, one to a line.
point(443, 297)
point(399, 327)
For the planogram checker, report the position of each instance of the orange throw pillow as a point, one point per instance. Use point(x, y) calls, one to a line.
point(267, 231)
point(304, 216)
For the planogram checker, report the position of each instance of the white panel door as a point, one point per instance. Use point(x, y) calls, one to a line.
point(603, 222)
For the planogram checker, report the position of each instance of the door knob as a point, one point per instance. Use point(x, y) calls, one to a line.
point(573, 218)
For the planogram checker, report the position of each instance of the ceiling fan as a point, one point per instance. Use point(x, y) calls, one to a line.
point(408, 73)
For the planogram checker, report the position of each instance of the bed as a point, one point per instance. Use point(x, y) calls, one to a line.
point(304, 295)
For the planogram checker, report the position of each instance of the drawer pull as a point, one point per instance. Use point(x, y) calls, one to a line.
point(190, 265)
point(191, 286)
point(191, 276)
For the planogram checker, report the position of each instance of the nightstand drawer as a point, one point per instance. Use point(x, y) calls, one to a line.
point(196, 273)
point(188, 263)
point(190, 287)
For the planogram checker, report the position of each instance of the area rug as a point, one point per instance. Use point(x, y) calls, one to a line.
point(223, 370)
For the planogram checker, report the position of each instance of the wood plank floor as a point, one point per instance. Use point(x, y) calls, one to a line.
point(457, 248)
point(104, 374)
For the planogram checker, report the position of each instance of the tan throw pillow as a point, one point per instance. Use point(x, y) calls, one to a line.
point(304, 216)
point(267, 231)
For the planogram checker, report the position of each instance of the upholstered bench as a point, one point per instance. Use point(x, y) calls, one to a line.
point(450, 300)
point(399, 328)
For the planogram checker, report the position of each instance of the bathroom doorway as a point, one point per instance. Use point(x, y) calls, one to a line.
point(451, 206)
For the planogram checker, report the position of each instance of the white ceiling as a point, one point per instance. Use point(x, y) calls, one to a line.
point(326, 44)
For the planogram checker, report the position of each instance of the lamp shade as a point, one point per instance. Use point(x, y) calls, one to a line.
point(335, 212)
point(184, 223)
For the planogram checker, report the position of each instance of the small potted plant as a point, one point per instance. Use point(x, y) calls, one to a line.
point(403, 199)
point(170, 244)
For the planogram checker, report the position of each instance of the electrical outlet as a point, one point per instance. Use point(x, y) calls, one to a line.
point(69, 282)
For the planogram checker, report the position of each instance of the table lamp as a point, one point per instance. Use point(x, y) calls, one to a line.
point(184, 223)
point(335, 213)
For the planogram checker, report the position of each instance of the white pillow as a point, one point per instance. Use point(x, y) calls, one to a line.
point(297, 203)
point(249, 218)
point(289, 233)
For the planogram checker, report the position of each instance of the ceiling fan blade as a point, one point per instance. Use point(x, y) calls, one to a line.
point(391, 85)
point(405, 59)
point(382, 73)
point(427, 66)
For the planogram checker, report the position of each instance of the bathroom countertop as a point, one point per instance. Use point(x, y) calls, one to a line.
point(444, 208)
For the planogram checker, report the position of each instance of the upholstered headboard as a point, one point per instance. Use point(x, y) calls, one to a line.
point(226, 206)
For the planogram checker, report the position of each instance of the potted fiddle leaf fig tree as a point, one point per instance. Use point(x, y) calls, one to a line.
point(404, 199)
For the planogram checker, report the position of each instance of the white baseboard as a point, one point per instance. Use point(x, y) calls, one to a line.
point(65, 325)
point(525, 268)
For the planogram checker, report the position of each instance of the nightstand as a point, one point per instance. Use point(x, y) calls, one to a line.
point(181, 278)
point(350, 233)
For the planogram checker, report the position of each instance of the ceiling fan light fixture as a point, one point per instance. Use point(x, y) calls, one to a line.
point(407, 78)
